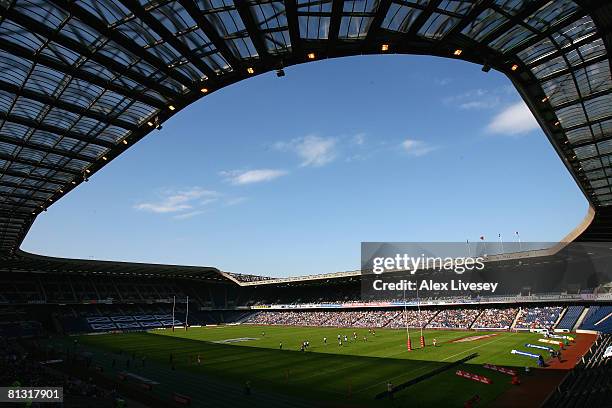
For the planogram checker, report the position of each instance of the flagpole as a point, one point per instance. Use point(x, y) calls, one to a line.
point(501, 243)
point(187, 313)
point(519, 241)
point(173, 305)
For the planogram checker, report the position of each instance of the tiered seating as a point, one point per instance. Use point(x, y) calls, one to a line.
point(412, 317)
point(590, 383)
point(354, 318)
point(538, 317)
point(570, 318)
point(495, 319)
point(454, 319)
point(598, 318)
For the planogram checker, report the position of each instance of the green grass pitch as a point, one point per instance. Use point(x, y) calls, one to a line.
point(327, 374)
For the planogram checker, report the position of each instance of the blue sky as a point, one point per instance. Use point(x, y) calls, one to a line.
point(286, 176)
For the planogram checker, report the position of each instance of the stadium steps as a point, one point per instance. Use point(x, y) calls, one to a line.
point(569, 318)
point(583, 316)
point(563, 311)
point(471, 326)
point(561, 316)
point(516, 318)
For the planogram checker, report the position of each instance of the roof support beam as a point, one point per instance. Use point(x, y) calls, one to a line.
point(583, 99)
point(573, 68)
point(470, 17)
point(53, 129)
point(13, 213)
point(40, 165)
point(422, 18)
point(208, 29)
point(49, 62)
point(244, 10)
point(169, 37)
point(548, 32)
point(334, 26)
point(564, 50)
point(294, 27)
point(57, 102)
point(43, 148)
point(517, 19)
point(10, 184)
point(376, 25)
point(40, 29)
point(22, 196)
point(589, 123)
point(119, 38)
point(43, 179)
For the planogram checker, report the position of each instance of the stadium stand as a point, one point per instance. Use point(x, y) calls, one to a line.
point(570, 317)
point(357, 318)
point(19, 367)
point(454, 318)
point(495, 318)
point(538, 317)
point(589, 384)
point(598, 318)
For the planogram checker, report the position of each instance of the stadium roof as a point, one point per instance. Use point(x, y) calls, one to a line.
point(25, 262)
point(82, 81)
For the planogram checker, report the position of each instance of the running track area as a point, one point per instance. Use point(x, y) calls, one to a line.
point(538, 385)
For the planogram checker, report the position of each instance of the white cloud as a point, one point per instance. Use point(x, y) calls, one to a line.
point(178, 201)
point(188, 215)
point(235, 201)
point(314, 150)
point(359, 139)
point(442, 81)
point(514, 120)
point(252, 176)
point(476, 99)
point(417, 147)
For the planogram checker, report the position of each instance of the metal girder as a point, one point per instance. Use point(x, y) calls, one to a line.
point(557, 53)
point(40, 29)
point(22, 196)
point(43, 179)
point(47, 149)
point(39, 164)
point(49, 62)
point(10, 184)
point(169, 37)
point(589, 123)
point(513, 20)
point(548, 32)
point(293, 26)
point(54, 129)
point(210, 32)
point(573, 68)
point(470, 17)
point(120, 39)
point(59, 103)
point(334, 25)
point(422, 18)
point(244, 10)
point(583, 99)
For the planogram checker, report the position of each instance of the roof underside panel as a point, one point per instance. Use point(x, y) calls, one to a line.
point(81, 81)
